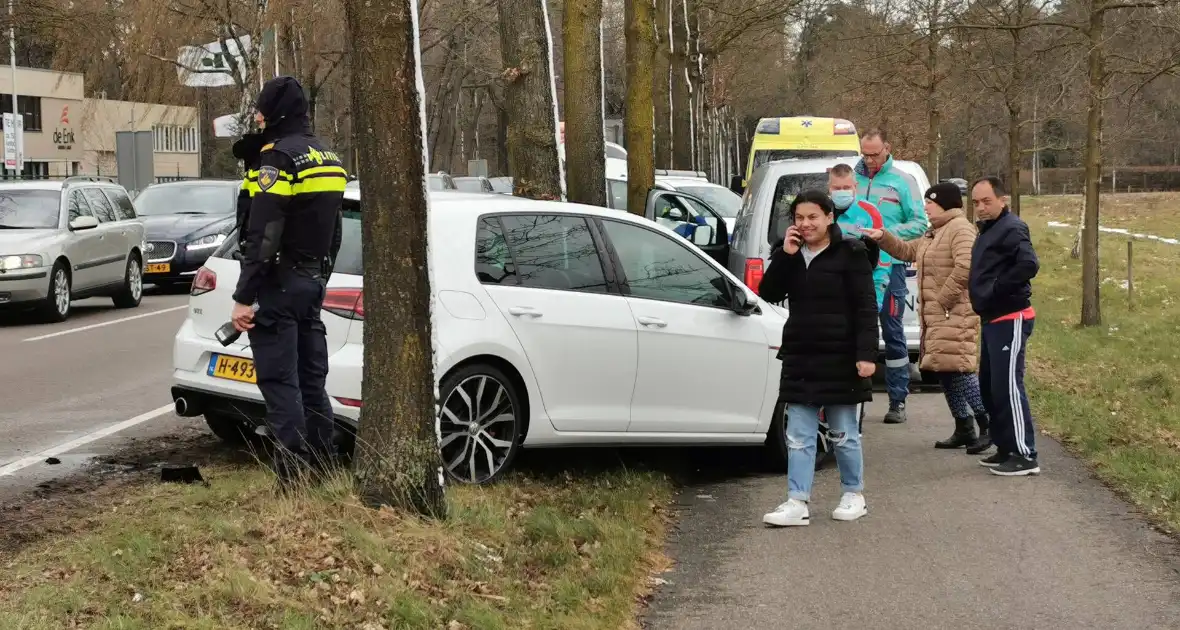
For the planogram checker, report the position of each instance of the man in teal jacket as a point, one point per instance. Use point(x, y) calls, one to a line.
point(896, 196)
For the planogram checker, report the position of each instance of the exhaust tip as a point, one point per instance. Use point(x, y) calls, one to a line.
point(183, 408)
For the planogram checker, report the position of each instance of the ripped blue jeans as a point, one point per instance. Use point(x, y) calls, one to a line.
point(843, 436)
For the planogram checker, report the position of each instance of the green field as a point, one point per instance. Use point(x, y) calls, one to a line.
point(1112, 392)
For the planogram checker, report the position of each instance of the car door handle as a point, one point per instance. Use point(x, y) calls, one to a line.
point(653, 322)
point(524, 311)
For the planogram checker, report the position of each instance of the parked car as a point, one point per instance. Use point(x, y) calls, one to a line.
point(761, 222)
point(703, 197)
point(67, 240)
point(474, 184)
point(501, 185)
point(434, 181)
point(534, 300)
point(185, 221)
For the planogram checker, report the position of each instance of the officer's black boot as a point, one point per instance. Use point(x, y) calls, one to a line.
point(984, 441)
point(964, 434)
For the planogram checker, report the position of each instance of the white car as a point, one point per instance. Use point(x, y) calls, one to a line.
point(557, 325)
point(66, 240)
point(703, 194)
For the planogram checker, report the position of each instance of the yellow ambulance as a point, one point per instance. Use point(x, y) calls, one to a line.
point(798, 137)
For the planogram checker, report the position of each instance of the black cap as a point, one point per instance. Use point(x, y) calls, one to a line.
point(946, 194)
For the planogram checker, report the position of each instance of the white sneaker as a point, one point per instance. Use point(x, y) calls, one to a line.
point(852, 506)
point(793, 513)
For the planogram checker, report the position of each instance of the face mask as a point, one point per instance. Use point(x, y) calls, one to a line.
point(843, 199)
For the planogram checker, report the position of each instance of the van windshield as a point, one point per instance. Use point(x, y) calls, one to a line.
point(785, 190)
point(765, 156)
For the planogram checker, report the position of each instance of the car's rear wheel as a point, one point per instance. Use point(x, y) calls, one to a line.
point(132, 292)
point(230, 429)
point(480, 423)
point(57, 303)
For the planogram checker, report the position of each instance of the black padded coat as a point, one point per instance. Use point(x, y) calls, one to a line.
point(832, 321)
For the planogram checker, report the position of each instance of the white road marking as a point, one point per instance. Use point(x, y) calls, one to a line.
point(83, 441)
point(101, 324)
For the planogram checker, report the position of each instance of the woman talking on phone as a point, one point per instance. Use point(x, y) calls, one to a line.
point(828, 350)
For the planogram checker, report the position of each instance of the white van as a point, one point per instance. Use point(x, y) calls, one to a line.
point(764, 206)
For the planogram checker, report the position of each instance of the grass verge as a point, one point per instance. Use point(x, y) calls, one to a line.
point(1112, 392)
point(559, 553)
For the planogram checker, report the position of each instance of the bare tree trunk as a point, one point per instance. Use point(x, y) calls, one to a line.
point(639, 121)
point(1014, 155)
point(528, 98)
point(502, 164)
point(585, 145)
point(398, 462)
point(661, 87)
point(1091, 307)
point(681, 95)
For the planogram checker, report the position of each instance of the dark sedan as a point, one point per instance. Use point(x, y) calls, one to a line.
point(184, 222)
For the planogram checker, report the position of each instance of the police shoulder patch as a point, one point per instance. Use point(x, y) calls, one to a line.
point(268, 147)
point(267, 176)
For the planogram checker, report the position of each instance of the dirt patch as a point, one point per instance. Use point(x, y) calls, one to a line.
point(67, 505)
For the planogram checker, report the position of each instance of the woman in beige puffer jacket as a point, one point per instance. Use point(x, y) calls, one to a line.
point(950, 328)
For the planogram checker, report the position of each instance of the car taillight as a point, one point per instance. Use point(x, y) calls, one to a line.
point(205, 281)
point(843, 128)
point(753, 275)
point(349, 402)
point(348, 303)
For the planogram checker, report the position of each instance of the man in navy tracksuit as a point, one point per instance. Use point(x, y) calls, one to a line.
point(1003, 265)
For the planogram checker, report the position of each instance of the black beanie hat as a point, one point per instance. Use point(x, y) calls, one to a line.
point(946, 194)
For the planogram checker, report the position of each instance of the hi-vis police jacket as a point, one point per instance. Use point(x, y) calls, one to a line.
point(294, 210)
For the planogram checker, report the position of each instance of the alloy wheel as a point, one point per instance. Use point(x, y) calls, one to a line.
point(477, 426)
point(61, 292)
point(135, 280)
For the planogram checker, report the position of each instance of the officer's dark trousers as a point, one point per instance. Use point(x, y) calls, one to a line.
point(291, 359)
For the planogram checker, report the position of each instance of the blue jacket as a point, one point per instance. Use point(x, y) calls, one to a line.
point(863, 214)
point(1003, 265)
point(892, 191)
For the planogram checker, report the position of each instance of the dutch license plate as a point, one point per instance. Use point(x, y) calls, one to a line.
point(159, 267)
point(232, 368)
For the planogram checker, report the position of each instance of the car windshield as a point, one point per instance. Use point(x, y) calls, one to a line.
point(29, 209)
point(469, 184)
point(722, 200)
point(502, 184)
point(187, 199)
point(763, 157)
point(436, 182)
point(784, 192)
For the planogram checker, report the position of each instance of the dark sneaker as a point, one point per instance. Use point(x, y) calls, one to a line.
point(1017, 466)
point(993, 460)
point(896, 413)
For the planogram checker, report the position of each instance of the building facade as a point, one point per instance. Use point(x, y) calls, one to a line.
point(67, 134)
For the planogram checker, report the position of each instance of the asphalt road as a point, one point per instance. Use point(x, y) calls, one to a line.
point(945, 545)
point(66, 385)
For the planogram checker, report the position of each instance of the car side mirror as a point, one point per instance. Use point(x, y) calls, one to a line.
point(84, 222)
point(703, 235)
point(736, 185)
point(743, 304)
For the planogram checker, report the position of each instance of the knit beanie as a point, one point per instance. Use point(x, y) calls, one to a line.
point(946, 194)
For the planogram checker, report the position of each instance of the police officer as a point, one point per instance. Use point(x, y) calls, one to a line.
point(293, 224)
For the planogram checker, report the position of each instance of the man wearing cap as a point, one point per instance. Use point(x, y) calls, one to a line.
point(293, 226)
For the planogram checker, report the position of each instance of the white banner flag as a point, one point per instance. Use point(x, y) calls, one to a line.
point(14, 143)
point(210, 65)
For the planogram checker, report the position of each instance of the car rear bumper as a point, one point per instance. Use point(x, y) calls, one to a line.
point(192, 353)
point(24, 285)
